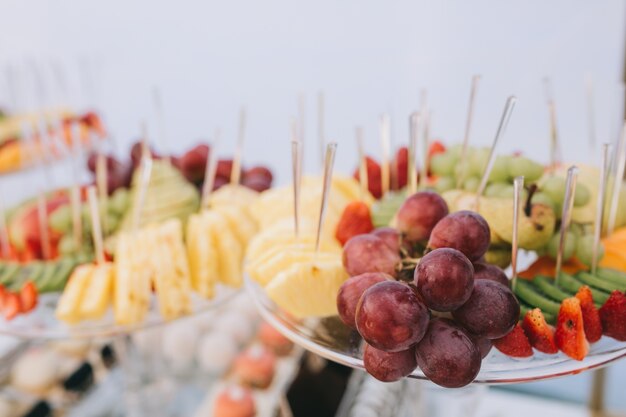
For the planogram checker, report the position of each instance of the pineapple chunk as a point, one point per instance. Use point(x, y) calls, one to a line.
point(202, 257)
point(98, 293)
point(68, 308)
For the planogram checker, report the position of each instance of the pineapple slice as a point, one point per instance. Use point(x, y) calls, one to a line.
point(269, 240)
point(68, 308)
point(240, 222)
point(98, 293)
point(228, 248)
point(202, 257)
point(308, 289)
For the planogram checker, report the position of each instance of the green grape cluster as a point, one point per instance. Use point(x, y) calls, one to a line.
point(578, 243)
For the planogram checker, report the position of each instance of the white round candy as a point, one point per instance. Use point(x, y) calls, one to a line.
point(216, 352)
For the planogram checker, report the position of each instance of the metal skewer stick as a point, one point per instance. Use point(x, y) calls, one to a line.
point(363, 179)
point(426, 117)
point(414, 124)
point(235, 174)
point(385, 143)
point(518, 186)
point(597, 231)
point(566, 216)
point(504, 121)
point(468, 126)
point(620, 162)
point(321, 135)
point(329, 162)
point(591, 117)
point(210, 170)
point(96, 226)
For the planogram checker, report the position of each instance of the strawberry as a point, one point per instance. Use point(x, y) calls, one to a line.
point(12, 306)
point(28, 297)
point(514, 344)
point(355, 220)
point(613, 316)
point(570, 331)
point(435, 148)
point(3, 295)
point(374, 177)
point(591, 316)
point(539, 333)
point(401, 165)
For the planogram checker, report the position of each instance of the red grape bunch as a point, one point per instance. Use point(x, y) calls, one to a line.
point(442, 322)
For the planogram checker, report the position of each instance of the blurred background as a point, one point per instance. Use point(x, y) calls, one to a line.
point(207, 60)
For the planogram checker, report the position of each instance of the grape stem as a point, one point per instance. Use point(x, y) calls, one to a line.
point(532, 189)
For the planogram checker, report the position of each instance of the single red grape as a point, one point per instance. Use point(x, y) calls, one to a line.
point(419, 214)
point(351, 291)
point(389, 367)
point(463, 230)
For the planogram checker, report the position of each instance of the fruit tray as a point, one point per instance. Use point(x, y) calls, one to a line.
point(42, 323)
point(335, 341)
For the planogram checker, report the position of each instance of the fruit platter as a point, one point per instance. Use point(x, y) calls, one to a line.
point(471, 268)
point(148, 240)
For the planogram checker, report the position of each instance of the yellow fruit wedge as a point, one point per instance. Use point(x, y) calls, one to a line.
point(229, 250)
point(283, 260)
point(351, 189)
point(308, 289)
point(98, 293)
point(131, 295)
point(171, 279)
point(269, 241)
point(240, 222)
point(234, 195)
point(202, 257)
point(68, 308)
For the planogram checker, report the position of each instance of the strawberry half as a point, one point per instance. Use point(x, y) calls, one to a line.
point(514, 344)
point(28, 297)
point(591, 315)
point(355, 220)
point(570, 331)
point(12, 306)
point(374, 177)
point(613, 316)
point(540, 334)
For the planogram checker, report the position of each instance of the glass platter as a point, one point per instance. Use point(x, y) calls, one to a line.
point(333, 340)
point(42, 323)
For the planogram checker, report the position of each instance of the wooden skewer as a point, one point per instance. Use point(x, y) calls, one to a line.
point(414, 124)
point(296, 175)
point(504, 121)
point(329, 162)
point(96, 227)
point(468, 126)
point(597, 231)
point(321, 134)
point(210, 170)
point(42, 214)
point(75, 199)
point(518, 186)
point(363, 178)
point(235, 174)
point(144, 181)
point(102, 187)
point(385, 143)
point(618, 179)
point(566, 217)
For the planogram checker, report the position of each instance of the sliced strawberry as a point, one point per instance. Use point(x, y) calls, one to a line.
point(540, 334)
point(514, 344)
point(12, 306)
point(570, 331)
point(355, 220)
point(3, 295)
point(402, 166)
point(28, 296)
point(613, 316)
point(374, 177)
point(591, 315)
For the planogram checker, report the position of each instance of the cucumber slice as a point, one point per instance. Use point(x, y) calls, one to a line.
point(527, 292)
point(30, 272)
point(9, 273)
point(47, 276)
point(61, 275)
point(570, 283)
point(546, 286)
point(612, 275)
point(599, 283)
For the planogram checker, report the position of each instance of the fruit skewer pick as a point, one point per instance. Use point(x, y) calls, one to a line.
point(101, 184)
point(426, 115)
point(321, 134)
point(385, 144)
point(96, 225)
point(468, 126)
point(296, 162)
point(620, 162)
point(210, 171)
point(75, 203)
point(597, 231)
point(329, 162)
point(504, 121)
point(144, 181)
point(518, 186)
point(566, 216)
point(363, 178)
point(414, 124)
point(235, 173)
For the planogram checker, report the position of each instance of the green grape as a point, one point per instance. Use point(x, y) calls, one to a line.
point(67, 245)
point(568, 250)
point(508, 191)
point(554, 187)
point(584, 250)
point(61, 219)
point(457, 150)
point(520, 165)
point(500, 170)
point(443, 164)
point(582, 195)
point(478, 161)
point(471, 184)
point(119, 201)
point(493, 190)
point(444, 184)
point(577, 229)
point(543, 198)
